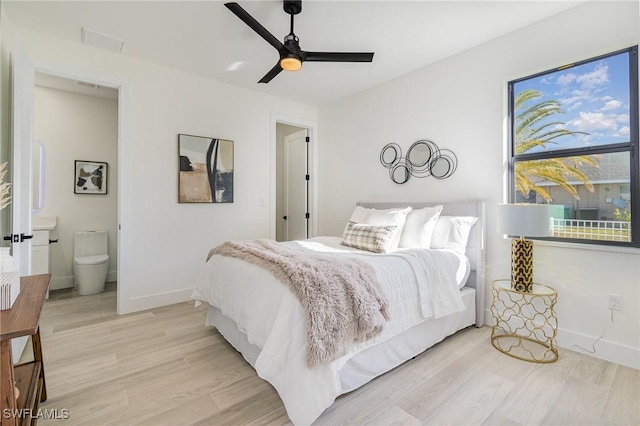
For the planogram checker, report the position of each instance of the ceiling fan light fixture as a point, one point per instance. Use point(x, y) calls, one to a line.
point(290, 63)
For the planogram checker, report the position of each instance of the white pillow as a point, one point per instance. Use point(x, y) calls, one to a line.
point(389, 217)
point(419, 226)
point(375, 238)
point(452, 232)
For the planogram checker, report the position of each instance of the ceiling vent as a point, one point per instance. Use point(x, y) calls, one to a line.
point(101, 40)
point(89, 85)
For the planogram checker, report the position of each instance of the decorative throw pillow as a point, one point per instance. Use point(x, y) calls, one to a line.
point(419, 226)
point(452, 232)
point(374, 238)
point(388, 217)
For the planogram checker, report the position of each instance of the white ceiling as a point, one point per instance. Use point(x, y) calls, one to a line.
point(204, 38)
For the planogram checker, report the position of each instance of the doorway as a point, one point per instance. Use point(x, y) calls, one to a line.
point(76, 125)
point(292, 204)
point(294, 179)
point(23, 71)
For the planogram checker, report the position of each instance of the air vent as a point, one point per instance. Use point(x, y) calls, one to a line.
point(85, 84)
point(101, 40)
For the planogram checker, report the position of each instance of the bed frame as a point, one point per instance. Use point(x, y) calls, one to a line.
point(475, 247)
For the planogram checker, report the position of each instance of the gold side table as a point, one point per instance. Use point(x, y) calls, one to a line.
point(525, 324)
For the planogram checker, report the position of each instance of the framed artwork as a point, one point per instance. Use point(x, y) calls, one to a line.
point(205, 170)
point(90, 177)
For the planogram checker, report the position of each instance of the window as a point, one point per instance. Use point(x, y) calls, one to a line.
point(574, 145)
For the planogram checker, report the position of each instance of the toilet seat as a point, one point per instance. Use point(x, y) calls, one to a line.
point(91, 260)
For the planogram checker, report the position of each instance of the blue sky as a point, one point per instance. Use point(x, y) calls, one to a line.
point(594, 97)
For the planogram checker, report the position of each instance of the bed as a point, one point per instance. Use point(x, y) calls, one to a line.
point(264, 321)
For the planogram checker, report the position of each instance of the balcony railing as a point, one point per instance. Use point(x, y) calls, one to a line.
point(608, 230)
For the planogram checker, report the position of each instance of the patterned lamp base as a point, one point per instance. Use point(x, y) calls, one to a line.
point(522, 265)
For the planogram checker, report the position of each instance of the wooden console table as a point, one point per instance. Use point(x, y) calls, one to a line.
point(23, 320)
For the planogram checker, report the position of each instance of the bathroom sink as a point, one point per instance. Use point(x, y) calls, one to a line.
point(41, 223)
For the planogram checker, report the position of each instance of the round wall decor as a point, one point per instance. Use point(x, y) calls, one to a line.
point(424, 158)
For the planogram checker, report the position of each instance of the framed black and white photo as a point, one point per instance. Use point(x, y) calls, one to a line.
point(90, 177)
point(205, 170)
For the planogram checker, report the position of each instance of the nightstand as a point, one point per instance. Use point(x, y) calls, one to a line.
point(525, 324)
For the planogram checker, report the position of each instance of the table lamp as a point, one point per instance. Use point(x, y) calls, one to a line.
point(523, 220)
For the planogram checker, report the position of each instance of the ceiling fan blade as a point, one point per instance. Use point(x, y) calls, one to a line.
point(338, 56)
point(272, 73)
point(255, 25)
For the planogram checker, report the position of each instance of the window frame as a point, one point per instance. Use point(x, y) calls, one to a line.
point(633, 147)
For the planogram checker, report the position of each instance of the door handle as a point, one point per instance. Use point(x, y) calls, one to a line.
point(53, 241)
point(25, 237)
point(284, 217)
point(14, 238)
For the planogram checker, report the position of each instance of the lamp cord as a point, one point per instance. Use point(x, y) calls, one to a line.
point(593, 345)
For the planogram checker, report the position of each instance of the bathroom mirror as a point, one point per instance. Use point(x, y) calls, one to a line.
point(37, 176)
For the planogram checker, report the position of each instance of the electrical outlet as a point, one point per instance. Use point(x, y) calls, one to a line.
point(615, 302)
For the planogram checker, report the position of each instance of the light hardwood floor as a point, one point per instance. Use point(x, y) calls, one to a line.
point(164, 367)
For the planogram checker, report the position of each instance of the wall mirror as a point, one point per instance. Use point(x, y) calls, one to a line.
point(419, 155)
point(37, 176)
point(424, 158)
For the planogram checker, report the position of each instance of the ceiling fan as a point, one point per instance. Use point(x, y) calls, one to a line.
point(291, 55)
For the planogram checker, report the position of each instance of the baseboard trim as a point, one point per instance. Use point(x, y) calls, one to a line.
point(58, 283)
point(141, 303)
point(604, 349)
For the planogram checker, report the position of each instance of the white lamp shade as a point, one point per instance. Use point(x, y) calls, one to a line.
point(524, 220)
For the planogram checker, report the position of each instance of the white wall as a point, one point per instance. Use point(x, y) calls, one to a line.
point(72, 127)
point(460, 103)
point(167, 242)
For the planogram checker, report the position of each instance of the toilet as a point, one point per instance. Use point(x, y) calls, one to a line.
point(90, 261)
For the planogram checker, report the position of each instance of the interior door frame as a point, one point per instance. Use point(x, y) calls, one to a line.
point(312, 133)
point(124, 166)
point(286, 183)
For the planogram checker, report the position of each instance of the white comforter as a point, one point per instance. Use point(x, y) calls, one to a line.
point(419, 284)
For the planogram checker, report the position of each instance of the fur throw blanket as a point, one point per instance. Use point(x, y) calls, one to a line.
point(340, 296)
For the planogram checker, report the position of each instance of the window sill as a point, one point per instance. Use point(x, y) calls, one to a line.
point(594, 247)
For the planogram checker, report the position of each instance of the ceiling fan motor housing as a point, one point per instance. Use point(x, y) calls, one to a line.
point(292, 7)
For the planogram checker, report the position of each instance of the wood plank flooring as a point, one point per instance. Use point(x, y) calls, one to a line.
point(164, 367)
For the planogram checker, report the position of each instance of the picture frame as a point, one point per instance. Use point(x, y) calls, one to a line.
point(91, 177)
point(205, 169)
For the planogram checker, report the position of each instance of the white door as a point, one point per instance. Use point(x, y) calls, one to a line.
point(23, 75)
point(295, 186)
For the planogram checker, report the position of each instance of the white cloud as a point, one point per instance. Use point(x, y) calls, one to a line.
point(610, 105)
point(594, 121)
point(574, 106)
point(623, 131)
point(598, 77)
point(622, 118)
point(566, 78)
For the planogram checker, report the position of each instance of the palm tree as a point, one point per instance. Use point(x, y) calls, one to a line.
point(533, 129)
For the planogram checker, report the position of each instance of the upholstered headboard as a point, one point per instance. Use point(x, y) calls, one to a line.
point(475, 246)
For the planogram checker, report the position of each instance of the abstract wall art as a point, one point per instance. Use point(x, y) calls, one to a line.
point(90, 177)
point(205, 170)
point(424, 158)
